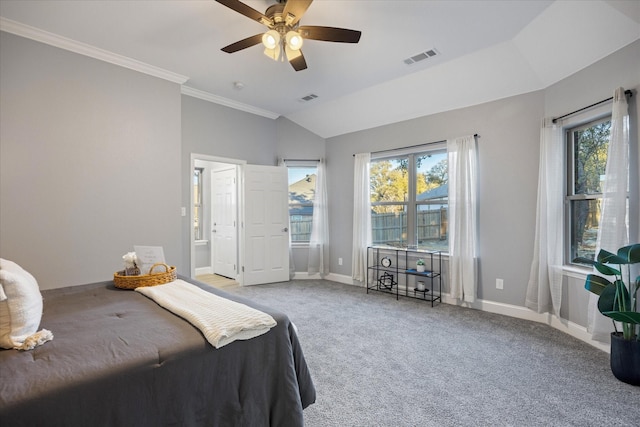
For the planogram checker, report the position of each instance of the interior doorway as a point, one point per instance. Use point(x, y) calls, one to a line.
point(218, 252)
point(245, 227)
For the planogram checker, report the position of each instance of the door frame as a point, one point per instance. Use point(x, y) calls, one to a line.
point(192, 243)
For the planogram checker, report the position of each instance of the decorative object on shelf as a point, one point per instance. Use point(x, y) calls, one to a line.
point(619, 302)
point(420, 266)
point(387, 281)
point(130, 264)
point(386, 262)
point(420, 286)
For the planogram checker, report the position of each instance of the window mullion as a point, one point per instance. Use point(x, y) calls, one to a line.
point(411, 202)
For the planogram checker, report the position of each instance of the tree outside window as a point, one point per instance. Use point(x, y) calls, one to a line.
point(409, 200)
point(587, 160)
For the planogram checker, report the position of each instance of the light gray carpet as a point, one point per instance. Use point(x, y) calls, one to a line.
point(376, 361)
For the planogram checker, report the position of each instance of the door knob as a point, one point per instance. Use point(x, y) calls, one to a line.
point(285, 229)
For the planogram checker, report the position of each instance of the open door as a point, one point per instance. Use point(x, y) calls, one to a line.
point(266, 225)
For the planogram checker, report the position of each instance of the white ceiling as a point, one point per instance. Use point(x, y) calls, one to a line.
point(487, 50)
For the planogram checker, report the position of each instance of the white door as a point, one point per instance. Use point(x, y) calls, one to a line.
point(224, 233)
point(266, 225)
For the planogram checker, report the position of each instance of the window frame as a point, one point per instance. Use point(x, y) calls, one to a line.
point(300, 164)
point(585, 121)
point(411, 204)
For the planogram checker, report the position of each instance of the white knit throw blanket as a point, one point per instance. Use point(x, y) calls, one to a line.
point(222, 321)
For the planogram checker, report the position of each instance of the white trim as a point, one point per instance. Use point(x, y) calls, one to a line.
point(519, 312)
point(575, 272)
point(65, 43)
point(206, 96)
point(203, 270)
point(303, 275)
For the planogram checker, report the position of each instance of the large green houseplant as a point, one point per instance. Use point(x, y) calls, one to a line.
point(619, 302)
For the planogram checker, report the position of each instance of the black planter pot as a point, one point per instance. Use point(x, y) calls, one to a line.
point(625, 359)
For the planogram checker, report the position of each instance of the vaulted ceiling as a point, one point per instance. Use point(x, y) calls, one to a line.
point(485, 50)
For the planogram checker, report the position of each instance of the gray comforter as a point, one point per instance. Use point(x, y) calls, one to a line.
point(119, 359)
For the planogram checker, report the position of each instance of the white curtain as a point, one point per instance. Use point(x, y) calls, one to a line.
point(613, 231)
point(462, 154)
point(361, 216)
point(544, 291)
point(319, 240)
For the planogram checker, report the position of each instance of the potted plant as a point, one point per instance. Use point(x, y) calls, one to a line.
point(420, 266)
point(619, 301)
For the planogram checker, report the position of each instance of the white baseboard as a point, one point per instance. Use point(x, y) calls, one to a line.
point(203, 270)
point(519, 312)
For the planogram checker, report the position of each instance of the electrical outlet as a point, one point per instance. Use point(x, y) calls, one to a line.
point(339, 261)
point(183, 211)
point(499, 284)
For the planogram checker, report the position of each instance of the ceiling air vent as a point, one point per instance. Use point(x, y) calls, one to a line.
point(308, 98)
point(421, 56)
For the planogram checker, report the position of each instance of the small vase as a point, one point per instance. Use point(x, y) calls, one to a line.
point(420, 286)
point(625, 359)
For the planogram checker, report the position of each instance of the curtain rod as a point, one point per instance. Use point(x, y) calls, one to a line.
point(626, 92)
point(475, 135)
point(300, 160)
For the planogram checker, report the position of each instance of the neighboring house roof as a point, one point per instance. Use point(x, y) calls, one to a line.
point(435, 193)
point(303, 191)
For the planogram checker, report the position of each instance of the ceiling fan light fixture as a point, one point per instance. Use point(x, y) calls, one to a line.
point(291, 53)
point(273, 53)
point(271, 39)
point(294, 40)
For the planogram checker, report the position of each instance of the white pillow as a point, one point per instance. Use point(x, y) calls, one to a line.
point(20, 305)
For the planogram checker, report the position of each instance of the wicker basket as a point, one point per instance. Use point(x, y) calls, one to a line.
point(151, 279)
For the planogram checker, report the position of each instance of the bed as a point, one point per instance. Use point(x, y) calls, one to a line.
point(118, 358)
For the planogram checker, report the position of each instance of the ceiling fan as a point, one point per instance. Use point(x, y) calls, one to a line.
point(285, 33)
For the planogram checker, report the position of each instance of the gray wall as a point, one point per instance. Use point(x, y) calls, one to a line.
point(87, 163)
point(508, 166)
point(508, 154)
point(621, 69)
point(214, 130)
point(95, 158)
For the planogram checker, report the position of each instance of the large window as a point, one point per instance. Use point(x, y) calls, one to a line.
point(302, 190)
point(409, 200)
point(587, 159)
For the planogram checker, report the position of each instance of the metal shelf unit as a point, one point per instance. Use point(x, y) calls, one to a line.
point(393, 271)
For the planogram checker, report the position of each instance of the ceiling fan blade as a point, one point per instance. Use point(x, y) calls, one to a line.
point(329, 34)
point(296, 8)
point(247, 11)
point(243, 44)
point(298, 63)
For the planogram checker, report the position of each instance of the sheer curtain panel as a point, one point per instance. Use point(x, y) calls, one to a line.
point(613, 231)
point(319, 240)
point(361, 216)
point(544, 290)
point(462, 154)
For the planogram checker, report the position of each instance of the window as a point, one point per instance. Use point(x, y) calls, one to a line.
point(587, 159)
point(409, 200)
point(302, 189)
point(197, 203)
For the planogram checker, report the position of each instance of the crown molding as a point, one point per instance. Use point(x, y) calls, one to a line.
point(206, 96)
point(19, 29)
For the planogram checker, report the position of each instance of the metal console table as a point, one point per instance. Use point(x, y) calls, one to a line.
point(394, 271)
